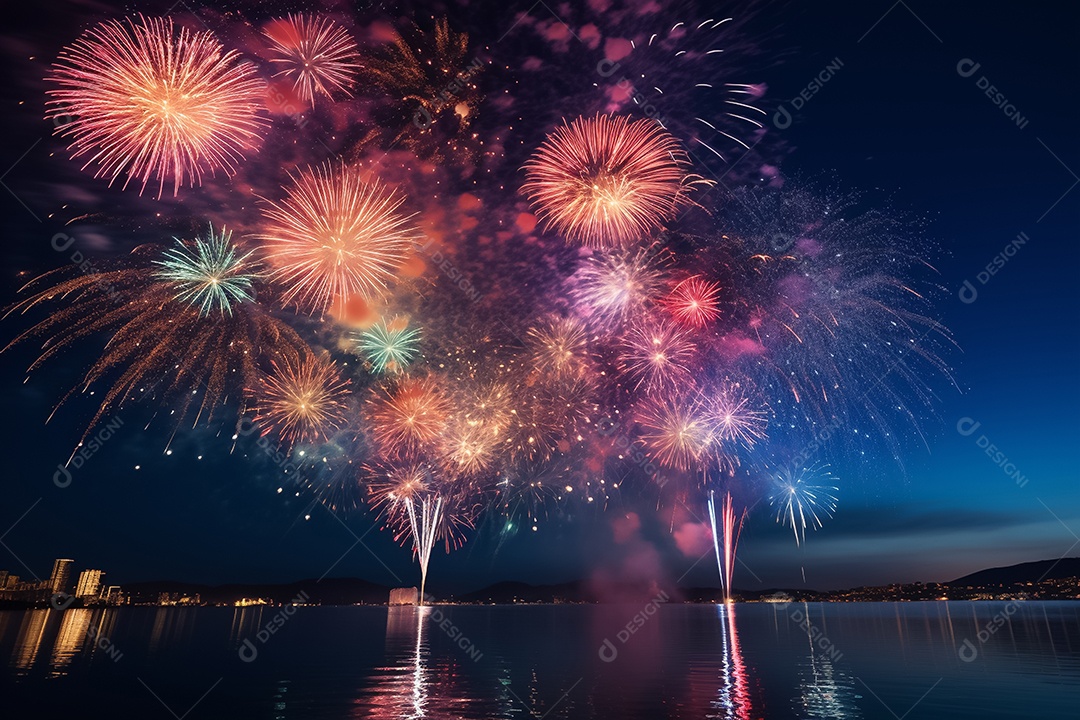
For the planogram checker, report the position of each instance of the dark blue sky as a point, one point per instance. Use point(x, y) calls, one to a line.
point(898, 121)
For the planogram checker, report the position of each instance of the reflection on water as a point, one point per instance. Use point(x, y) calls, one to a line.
point(734, 690)
point(728, 662)
point(70, 638)
point(31, 634)
point(400, 688)
point(824, 691)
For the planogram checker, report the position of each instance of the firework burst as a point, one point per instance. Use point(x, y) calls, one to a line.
point(608, 180)
point(657, 355)
point(390, 345)
point(612, 287)
point(802, 500)
point(559, 346)
point(211, 275)
point(694, 302)
point(735, 420)
point(318, 55)
point(335, 236)
point(429, 93)
point(158, 345)
point(302, 400)
point(148, 100)
point(409, 416)
point(676, 431)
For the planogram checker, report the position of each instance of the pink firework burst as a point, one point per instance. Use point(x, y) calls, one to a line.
point(334, 236)
point(147, 100)
point(608, 180)
point(657, 355)
point(317, 54)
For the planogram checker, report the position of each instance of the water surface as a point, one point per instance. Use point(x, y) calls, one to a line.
point(650, 660)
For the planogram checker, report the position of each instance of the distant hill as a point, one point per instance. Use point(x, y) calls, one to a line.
point(328, 591)
point(349, 591)
point(507, 592)
point(1022, 573)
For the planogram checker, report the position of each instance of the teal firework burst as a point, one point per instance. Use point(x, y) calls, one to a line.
point(210, 275)
point(390, 346)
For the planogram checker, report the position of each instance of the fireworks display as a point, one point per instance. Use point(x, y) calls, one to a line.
point(586, 321)
point(150, 101)
point(390, 346)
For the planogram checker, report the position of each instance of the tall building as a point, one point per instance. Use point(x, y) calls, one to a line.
point(60, 579)
point(89, 585)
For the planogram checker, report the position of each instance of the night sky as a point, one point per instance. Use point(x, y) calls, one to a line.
point(897, 122)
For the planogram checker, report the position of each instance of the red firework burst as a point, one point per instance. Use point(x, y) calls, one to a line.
point(607, 180)
point(694, 302)
point(334, 236)
point(145, 99)
point(319, 56)
point(302, 401)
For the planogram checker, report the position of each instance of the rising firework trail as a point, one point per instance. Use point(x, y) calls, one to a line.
point(726, 545)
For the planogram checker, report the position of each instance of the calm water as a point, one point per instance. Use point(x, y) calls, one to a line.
point(682, 661)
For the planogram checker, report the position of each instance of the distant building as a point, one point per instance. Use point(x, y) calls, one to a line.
point(404, 596)
point(60, 580)
point(89, 585)
point(112, 595)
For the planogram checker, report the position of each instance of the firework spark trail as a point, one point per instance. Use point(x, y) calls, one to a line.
point(148, 100)
point(729, 541)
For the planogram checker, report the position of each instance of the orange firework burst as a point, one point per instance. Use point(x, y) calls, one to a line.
point(559, 346)
point(676, 432)
point(145, 99)
point(608, 180)
point(409, 416)
point(693, 302)
point(334, 236)
point(302, 400)
point(319, 56)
